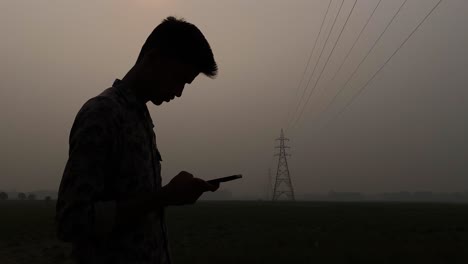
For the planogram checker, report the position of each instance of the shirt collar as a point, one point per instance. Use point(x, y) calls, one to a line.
point(130, 96)
point(128, 93)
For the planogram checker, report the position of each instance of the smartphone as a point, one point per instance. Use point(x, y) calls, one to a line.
point(225, 179)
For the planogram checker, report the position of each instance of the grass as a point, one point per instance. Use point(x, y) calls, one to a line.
point(265, 232)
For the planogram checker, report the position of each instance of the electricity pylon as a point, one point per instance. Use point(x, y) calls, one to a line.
point(283, 185)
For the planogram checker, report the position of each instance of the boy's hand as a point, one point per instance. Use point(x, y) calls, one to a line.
point(185, 189)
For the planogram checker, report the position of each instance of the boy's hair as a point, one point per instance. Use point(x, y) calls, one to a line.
point(181, 40)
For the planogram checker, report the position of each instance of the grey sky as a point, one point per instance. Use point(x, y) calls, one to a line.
point(405, 132)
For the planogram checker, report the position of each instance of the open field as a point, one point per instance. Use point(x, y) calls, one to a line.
point(264, 232)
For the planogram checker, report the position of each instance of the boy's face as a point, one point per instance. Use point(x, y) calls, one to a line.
point(171, 81)
point(165, 78)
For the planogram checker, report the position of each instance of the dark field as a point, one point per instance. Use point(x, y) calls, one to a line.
point(264, 232)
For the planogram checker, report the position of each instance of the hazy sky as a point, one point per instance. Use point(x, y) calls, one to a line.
point(406, 131)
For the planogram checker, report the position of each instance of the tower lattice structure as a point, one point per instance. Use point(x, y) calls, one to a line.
point(283, 184)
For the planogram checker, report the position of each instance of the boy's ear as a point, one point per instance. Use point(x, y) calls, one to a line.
point(152, 56)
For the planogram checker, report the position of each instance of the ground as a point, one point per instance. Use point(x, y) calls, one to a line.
point(266, 232)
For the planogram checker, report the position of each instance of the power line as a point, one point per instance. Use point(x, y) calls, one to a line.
point(315, 66)
point(354, 44)
point(326, 63)
point(395, 52)
point(365, 57)
point(320, 56)
point(352, 47)
point(308, 61)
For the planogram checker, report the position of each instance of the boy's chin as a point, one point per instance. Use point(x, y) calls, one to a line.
point(157, 102)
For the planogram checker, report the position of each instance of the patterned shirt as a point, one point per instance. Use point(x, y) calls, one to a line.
point(112, 156)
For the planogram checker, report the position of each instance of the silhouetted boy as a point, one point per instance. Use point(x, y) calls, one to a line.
point(110, 203)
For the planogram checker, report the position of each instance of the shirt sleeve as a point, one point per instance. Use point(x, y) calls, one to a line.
point(82, 209)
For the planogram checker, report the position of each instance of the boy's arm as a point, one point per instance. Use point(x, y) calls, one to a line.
point(79, 210)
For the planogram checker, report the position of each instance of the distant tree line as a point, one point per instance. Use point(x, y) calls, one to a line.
point(23, 196)
point(403, 196)
point(31, 196)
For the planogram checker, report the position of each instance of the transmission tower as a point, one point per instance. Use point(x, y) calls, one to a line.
point(283, 183)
